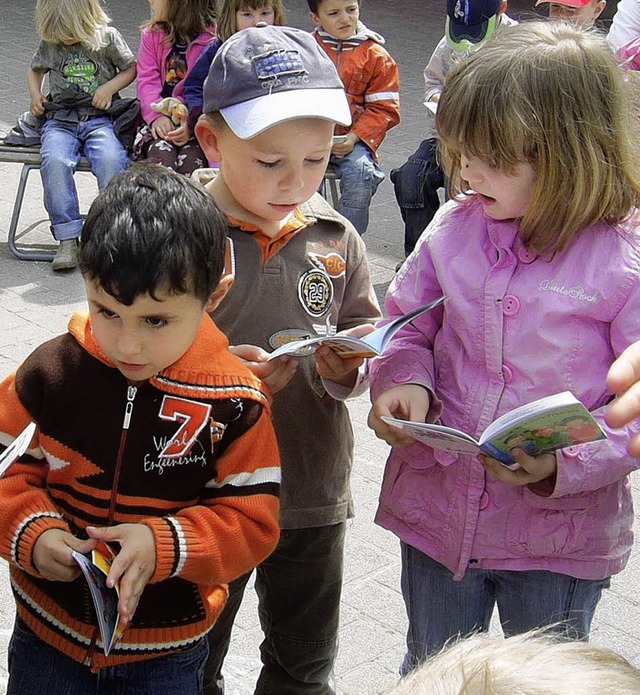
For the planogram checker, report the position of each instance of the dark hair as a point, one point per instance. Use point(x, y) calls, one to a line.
point(315, 4)
point(152, 228)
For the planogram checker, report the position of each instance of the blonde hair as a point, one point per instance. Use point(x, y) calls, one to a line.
point(535, 663)
point(227, 25)
point(186, 19)
point(72, 21)
point(552, 95)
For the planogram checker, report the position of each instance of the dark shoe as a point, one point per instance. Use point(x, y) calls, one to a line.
point(66, 256)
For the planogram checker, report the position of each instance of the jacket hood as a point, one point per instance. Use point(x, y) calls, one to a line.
point(363, 33)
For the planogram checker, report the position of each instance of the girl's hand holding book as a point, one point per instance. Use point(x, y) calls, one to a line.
point(529, 470)
point(407, 402)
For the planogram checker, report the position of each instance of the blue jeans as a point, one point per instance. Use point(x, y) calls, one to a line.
point(35, 667)
point(360, 177)
point(440, 608)
point(416, 185)
point(61, 149)
point(299, 587)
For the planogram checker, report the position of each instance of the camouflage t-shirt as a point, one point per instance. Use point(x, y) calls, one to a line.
point(81, 66)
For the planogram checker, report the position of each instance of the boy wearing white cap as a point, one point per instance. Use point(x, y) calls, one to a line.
point(469, 24)
point(271, 100)
point(581, 12)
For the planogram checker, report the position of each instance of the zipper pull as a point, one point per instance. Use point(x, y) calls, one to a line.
point(131, 394)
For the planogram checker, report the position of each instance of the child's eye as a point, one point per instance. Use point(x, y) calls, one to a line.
point(313, 160)
point(156, 321)
point(107, 313)
point(267, 165)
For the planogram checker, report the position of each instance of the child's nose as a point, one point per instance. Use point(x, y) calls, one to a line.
point(293, 179)
point(129, 343)
point(468, 170)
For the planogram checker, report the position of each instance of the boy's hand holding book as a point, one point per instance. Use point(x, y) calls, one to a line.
point(52, 554)
point(134, 564)
point(341, 370)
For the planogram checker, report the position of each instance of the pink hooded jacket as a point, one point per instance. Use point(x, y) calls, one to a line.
point(515, 327)
point(152, 56)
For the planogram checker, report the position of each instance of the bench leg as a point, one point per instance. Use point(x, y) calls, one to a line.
point(13, 226)
point(335, 196)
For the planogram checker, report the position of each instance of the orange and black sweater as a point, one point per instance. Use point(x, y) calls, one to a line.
point(191, 454)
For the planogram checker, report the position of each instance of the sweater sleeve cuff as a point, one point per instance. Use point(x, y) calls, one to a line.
point(170, 546)
point(27, 535)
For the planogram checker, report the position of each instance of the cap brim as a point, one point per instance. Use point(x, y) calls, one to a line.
point(250, 118)
point(577, 3)
point(462, 37)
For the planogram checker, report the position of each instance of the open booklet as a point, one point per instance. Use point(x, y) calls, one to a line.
point(17, 447)
point(369, 345)
point(539, 427)
point(95, 567)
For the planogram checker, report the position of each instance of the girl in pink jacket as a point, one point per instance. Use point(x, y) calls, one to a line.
point(538, 254)
point(171, 43)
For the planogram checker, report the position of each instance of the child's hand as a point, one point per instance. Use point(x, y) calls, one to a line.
point(624, 379)
point(52, 554)
point(180, 135)
point(133, 565)
point(102, 98)
point(161, 127)
point(341, 370)
point(37, 105)
point(407, 402)
point(532, 469)
point(342, 149)
point(275, 374)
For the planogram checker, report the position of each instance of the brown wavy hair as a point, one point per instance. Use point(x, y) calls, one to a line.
point(186, 19)
point(554, 96)
point(227, 23)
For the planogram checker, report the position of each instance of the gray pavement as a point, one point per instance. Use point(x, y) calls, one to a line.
point(35, 305)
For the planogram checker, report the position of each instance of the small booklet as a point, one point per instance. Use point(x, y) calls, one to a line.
point(542, 426)
point(17, 447)
point(95, 567)
point(346, 346)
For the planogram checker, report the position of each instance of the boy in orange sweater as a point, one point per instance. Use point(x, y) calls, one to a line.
point(150, 436)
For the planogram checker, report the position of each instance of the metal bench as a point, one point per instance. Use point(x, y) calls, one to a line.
point(329, 186)
point(30, 159)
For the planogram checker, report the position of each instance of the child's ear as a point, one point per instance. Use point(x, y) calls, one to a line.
point(599, 8)
point(208, 139)
point(219, 293)
point(314, 18)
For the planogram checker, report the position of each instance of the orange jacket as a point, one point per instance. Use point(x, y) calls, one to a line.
point(371, 81)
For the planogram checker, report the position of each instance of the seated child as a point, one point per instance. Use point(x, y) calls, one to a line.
point(417, 181)
point(150, 436)
point(234, 16)
point(371, 81)
point(88, 62)
point(582, 12)
point(171, 43)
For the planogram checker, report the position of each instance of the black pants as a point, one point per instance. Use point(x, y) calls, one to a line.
point(299, 587)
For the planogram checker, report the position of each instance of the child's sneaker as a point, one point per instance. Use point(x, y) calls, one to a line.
point(66, 256)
